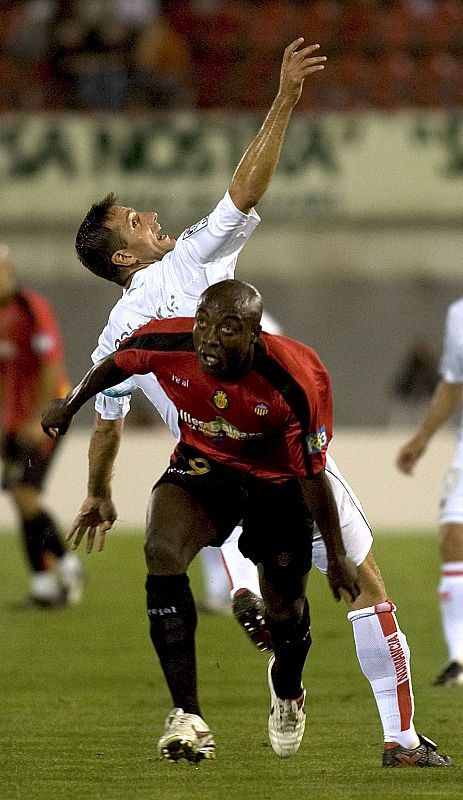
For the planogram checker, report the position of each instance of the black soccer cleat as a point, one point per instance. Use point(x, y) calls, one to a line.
point(249, 610)
point(425, 755)
point(451, 675)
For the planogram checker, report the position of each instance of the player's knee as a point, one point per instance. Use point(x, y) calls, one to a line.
point(163, 557)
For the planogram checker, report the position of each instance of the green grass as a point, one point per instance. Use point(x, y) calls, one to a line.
point(83, 701)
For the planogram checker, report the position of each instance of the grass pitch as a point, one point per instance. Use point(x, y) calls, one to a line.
point(83, 701)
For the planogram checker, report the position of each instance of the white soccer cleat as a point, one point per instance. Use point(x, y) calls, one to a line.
point(186, 736)
point(286, 722)
point(72, 575)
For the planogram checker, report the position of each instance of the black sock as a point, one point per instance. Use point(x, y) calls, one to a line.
point(40, 536)
point(172, 616)
point(291, 643)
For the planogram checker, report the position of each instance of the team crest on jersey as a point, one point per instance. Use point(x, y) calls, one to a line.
point(194, 228)
point(261, 409)
point(317, 441)
point(220, 399)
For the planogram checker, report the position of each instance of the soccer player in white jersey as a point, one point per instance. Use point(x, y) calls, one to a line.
point(447, 398)
point(162, 277)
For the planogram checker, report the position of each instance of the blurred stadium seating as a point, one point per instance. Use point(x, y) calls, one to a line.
point(226, 53)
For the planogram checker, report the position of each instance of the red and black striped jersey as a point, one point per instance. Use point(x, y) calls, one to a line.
point(275, 421)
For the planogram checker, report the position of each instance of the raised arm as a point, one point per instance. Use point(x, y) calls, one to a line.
point(255, 170)
point(446, 399)
point(342, 573)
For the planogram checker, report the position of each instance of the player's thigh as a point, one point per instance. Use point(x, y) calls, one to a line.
point(26, 499)
point(177, 527)
point(357, 539)
point(451, 543)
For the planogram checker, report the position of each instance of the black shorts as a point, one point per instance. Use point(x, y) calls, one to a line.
point(24, 463)
point(277, 525)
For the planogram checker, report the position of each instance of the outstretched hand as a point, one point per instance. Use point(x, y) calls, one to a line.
point(96, 516)
point(342, 575)
point(296, 66)
point(56, 418)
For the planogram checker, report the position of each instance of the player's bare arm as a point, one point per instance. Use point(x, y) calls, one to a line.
point(254, 172)
point(342, 573)
point(98, 512)
point(444, 402)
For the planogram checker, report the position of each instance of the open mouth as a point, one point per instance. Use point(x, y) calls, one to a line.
point(209, 359)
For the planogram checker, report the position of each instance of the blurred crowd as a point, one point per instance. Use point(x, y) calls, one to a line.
point(129, 55)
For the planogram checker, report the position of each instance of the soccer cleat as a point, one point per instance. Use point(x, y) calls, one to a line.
point(425, 755)
point(186, 736)
point(286, 722)
point(32, 602)
point(451, 675)
point(249, 610)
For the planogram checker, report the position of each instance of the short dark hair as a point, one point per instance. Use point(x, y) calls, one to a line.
point(96, 242)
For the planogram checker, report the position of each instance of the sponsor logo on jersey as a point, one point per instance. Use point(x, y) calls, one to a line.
point(180, 381)
point(195, 228)
point(216, 428)
point(317, 441)
point(261, 409)
point(220, 399)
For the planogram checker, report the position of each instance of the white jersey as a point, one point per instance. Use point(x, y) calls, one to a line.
point(203, 254)
point(451, 371)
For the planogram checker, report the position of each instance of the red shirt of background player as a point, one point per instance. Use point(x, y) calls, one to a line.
point(29, 337)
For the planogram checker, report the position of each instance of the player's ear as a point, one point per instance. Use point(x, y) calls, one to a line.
point(124, 258)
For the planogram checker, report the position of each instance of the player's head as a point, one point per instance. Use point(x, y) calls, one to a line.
point(226, 328)
point(7, 275)
point(115, 241)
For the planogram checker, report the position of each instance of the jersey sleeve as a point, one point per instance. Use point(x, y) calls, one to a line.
point(134, 361)
point(306, 387)
point(451, 365)
point(216, 239)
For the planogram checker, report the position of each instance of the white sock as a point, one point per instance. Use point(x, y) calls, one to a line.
point(451, 606)
point(384, 658)
point(241, 571)
point(44, 585)
point(215, 578)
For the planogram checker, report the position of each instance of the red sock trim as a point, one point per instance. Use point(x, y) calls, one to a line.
point(404, 698)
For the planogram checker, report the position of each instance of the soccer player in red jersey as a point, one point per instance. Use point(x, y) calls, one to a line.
point(255, 415)
point(31, 373)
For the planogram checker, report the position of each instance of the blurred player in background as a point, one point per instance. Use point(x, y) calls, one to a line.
point(447, 398)
point(164, 277)
point(31, 373)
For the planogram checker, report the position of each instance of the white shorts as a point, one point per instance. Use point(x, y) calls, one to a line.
point(356, 532)
point(451, 505)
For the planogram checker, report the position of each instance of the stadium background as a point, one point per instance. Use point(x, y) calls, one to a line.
point(359, 250)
